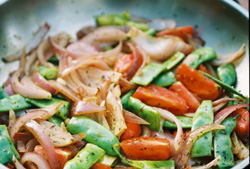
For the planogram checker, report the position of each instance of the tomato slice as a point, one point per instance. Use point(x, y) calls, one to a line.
point(161, 97)
point(123, 64)
point(133, 130)
point(242, 124)
point(146, 148)
point(198, 83)
point(100, 166)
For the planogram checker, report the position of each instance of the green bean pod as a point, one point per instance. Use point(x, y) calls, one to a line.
point(56, 120)
point(85, 158)
point(186, 123)
point(47, 73)
point(174, 60)
point(203, 115)
point(62, 112)
point(148, 74)
point(125, 98)
point(146, 112)
point(3, 94)
point(15, 102)
point(170, 164)
point(223, 143)
point(7, 148)
point(95, 133)
point(165, 79)
point(227, 74)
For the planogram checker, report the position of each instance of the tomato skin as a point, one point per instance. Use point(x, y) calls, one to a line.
point(63, 155)
point(123, 64)
point(146, 148)
point(100, 166)
point(198, 83)
point(242, 124)
point(133, 130)
point(203, 68)
point(183, 92)
point(181, 32)
point(157, 96)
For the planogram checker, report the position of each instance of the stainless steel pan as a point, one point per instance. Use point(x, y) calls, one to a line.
point(223, 24)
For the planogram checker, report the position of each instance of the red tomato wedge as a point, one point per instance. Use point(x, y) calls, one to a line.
point(133, 130)
point(198, 83)
point(161, 97)
point(100, 166)
point(146, 148)
point(63, 155)
point(123, 64)
point(183, 92)
point(242, 124)
point(203, 68)
point(179, 31)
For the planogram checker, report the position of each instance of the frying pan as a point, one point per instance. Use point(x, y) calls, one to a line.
point(223, 24)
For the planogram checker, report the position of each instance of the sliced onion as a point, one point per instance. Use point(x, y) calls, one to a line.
point(84, 31)
point(160, 24)
point(72, 148)
point(146, 132)
point(22, 60)
point(31, 144)
point(35, 158)
point(8, 88)
point(81, 48)
point(21, 146)
point(58, 136)
point(39, 113)
point(81, 107)
point(43, 138)
point(42, 48)
point(244, 152)
point(27, 88)
point(64, 90)
point(228, 58)
point(222, 100)
point(131, 117)
point(194, 135)
point(209, 165)
point(235, 143)
point(31, 45)
point(29, 63)
point(12, 119)
point(114, 114)
point(210, 69)
point(40, 81)
point(111, 55)
point(219, 117)
point(126, 85)
point(218, 107)
point(171, 117)
point(189, 114)
point(85, 63)
point(159, 48)
point(17, 164)
point(104, 34)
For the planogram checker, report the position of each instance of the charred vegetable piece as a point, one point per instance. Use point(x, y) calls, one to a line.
point(157, 96)
point(56, 120)
point(186, 123)
point(165, 79)
point(15, 102)
point(203, 115)
point(3, 94)
point(202, 55)
point(48, 73)
point(125, 98)
point(223, 144)
point(95, 133)
point(62, 112)
point(146, 112)
point(197, 83)
point(227, 74)
point(224, 85)
point(86, 157)
point(148, 74)
point(7, 148)
point(174, 60)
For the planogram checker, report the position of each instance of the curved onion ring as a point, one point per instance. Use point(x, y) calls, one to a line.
point(209, 165)
point(171, 117)
point(82, 107)
point(40, 113)
point(40, 81)
point(131, 117)
point(219, 117)
point(43, 138)
point(194, 135)
point(225, 99)
point(17, 164)
point(27, 88)
point(35, 158)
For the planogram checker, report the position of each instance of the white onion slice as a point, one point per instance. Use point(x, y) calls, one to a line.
point(35, 158)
